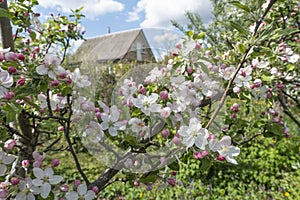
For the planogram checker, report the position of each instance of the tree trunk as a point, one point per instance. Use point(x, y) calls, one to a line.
point(6, 30)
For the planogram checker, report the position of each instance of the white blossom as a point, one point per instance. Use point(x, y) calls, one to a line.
point(225, 149)
point(5, 159)
point(6, 81)
point(147, 104)
point(51, 66)
point(43, 180)
point(194, 134)
point(81, 193)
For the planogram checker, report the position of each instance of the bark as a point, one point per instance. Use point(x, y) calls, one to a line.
point(6, 30)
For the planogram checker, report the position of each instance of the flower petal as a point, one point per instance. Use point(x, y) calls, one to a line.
point(46, 188)
point(38, 172)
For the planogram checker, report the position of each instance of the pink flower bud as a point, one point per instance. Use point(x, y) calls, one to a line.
point(64, 188)
point(164, 95)
point(204, 153)
point(42, 111)
point(15, 181)
point(198, 155)
point(142, 89)
point(197, 46)
point(257, 82)
point(77, 182)
point(55, 162)
point(221, 158)
point(176, 140)
point(233, 115)
point(10, 56)
point(9, 144)
point(9, 95)
point(36, 50)
point(37, 14)
point(178, 45)
point(98, 115)
point(207, 53)
point(54, 83)
point(280, 86)
point(190, 70)
point(165, 133)
point(60, 128)
point(25, 163)
point(223, 66)
point(235, 107)
point(11, 69)
point(136, 183)
point(171, 182)
point(95, 189)
point(21, 81)
point(236, 89)
point(269, 95)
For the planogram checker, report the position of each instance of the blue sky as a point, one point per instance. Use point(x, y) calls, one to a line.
point(122, 15)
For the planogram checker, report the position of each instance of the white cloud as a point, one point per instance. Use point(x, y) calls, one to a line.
point(92, 8)
point(158, 13)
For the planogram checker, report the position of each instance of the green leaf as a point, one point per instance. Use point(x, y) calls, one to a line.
point(148, 178)
point(189, 33)
point(174, 166)
point(275, 128)
point(241, 6)
point(12, 110)
point(241, 48)
point(267, 78)
point(4, 13)
point(32, 35)
point(238, 27)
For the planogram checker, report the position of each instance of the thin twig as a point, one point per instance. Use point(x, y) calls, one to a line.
point(243, 60)
point(67, 128)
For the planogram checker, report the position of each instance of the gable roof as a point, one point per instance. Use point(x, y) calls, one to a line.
point(109, 47)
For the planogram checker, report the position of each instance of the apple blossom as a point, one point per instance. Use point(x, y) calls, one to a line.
point(9, 144)
point(147, 104)
point(38, 158)
point(81, 193)
point(194, 134)
point(94, 131)
point(79, 80)
point(110, 119)
point(27, 190)
point(50, 66)
point(44, 179)
point(225, 149)
point(6, 81)
point(5, 159)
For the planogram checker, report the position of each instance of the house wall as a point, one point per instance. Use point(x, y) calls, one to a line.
point(140, 50)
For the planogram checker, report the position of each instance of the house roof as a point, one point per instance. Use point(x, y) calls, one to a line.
point(111, 46)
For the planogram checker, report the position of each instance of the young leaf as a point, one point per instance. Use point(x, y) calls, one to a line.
point(238, 27)
point(241, 6)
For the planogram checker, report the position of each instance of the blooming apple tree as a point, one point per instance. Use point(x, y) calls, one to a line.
point(177, 112)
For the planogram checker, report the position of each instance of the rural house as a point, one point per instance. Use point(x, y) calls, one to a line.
point(125, 46)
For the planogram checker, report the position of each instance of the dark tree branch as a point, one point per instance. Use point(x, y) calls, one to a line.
point(6, 30)
point(286, 110)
